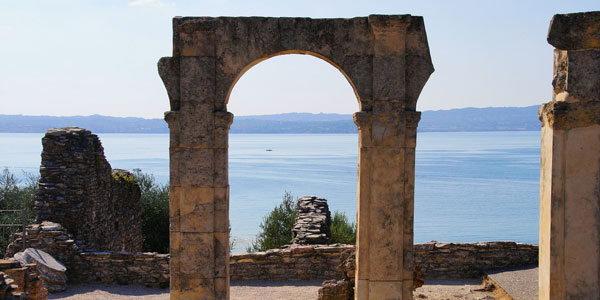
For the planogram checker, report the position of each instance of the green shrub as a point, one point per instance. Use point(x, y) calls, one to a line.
point(15, 194)
point(342, 231)
point(276, 227)
point(155, 212)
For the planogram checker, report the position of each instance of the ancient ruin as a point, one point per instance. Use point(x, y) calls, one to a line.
point(385, 59)
point(569, 264)
point(79, 190)
point(313, 221)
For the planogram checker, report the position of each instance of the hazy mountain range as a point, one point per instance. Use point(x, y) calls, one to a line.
point(464, 119)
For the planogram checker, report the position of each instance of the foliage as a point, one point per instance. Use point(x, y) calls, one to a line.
point(342, 231)
point(15, 194)
point(155, 212)
point(276, 227)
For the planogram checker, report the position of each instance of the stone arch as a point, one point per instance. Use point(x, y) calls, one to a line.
point(317, 55)
point(387, 61)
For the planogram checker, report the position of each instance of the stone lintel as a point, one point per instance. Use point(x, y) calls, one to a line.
point(389, 22)
point(575, 31)
point(567, 115)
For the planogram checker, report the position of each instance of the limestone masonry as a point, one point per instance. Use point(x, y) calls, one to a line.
point(386, 60)
point(569, 265)
point(313, 221)
point(79, 190)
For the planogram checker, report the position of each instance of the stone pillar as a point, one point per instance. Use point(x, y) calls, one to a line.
point(387, 139)
point(199, 200)
point(569, 261)
point(199, 209)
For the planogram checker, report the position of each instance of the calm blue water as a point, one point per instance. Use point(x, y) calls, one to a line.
point(470, 186)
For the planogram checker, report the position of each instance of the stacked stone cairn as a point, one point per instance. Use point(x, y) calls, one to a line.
point(313, 221)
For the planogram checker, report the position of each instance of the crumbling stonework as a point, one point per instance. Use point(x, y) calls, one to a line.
point(78, 189)
point(569, 266)
point(49, 237)
point(20, 281)
point(110, 267)
point(386, 61)
point(147, 269)
point(313, 222)
point(436, 260)
point(51, 271)
point(297, 262)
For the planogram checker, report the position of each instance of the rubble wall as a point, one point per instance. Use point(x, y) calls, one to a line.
point(78, 189)
point(437, 260)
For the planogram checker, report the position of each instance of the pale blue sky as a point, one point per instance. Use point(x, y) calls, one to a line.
point(68, 57)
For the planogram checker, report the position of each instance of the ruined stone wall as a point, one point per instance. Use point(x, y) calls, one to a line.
point(469, 260)
point(147, 269)
point(313, 221)
point(437, 260)
point(296, 262)
point(78, 189)
point(49, 237)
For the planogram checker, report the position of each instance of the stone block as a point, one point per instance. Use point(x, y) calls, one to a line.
point(575, 31)
point(192, 286)
point(197, 82)
point(221, 254)
point(221, 218)
point(199, 42)
point(200, 219)
point(389, 78)
point(199, 123)
point(191, 197)
point(582, 80)
point(222, 198)
point(196, 167)
point(221, 166)
point(386, 290)
point(222, 288)
point(197, 254)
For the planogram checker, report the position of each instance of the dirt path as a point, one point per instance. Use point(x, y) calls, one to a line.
point(454, 289)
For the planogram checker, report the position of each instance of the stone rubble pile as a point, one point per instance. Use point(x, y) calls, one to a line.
point(20, 281)
point(313, 221)
point(48, 236)
point(51, 271)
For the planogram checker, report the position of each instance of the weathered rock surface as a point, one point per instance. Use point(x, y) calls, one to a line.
point(575, 31)
point(78, 189)
point(21, 281)
point(313, 221)
point(51, 271)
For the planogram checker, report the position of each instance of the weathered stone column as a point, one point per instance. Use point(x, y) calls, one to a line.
point(387, 139)
point(569, 262)
point(199, 187)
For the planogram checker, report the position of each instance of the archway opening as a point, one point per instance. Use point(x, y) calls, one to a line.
point(292, 133)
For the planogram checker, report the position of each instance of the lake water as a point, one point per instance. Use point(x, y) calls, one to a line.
point(470, 186)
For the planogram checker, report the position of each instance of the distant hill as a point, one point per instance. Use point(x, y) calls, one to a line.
point(464, 119)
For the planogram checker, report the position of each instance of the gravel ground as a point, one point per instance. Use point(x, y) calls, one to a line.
point(297, 290)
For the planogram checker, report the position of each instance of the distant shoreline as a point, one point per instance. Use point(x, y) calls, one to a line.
point(454, 120)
